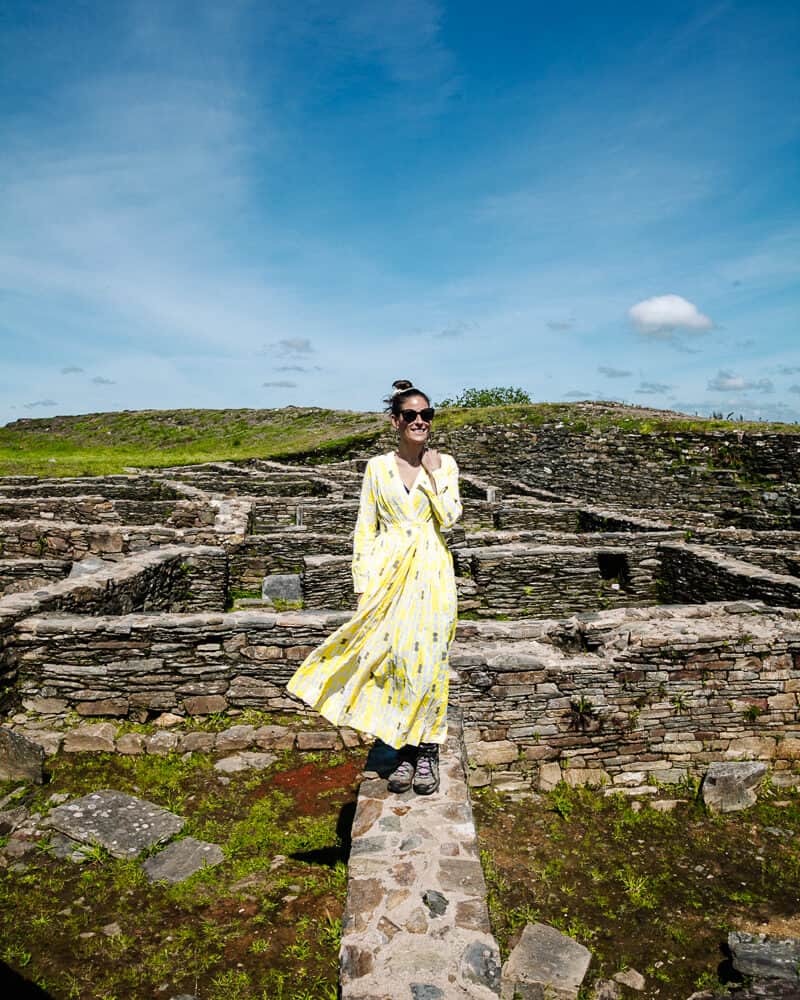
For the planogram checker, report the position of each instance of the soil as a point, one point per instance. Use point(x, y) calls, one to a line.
point(263, 925)
point(653, 891)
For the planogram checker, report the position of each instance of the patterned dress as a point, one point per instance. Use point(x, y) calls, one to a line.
point(385, 672)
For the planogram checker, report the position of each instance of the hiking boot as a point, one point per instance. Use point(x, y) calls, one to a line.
point(402, 776)
point(426, 778)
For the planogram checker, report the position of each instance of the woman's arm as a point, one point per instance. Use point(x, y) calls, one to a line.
point(442, 491)
point(366, 530)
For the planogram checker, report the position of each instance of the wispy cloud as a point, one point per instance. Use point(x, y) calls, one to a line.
point(280, 384)
point(725, 381)
point(560, 325)
point(663, 315)
point(788, 369)
point(40, 402)
point(613, 372)
point(655, 388)
point(794, 388)
point(289, 347)
point(71, 370)
point(101, 380)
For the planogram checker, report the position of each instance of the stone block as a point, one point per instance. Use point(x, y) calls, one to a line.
point(20, 758)
point(160, 744)
point(235, 738)
point(130, 743)
point(245, 760)
point(282, 587)
point(546, 958)
point(90, 737)
point(274, 737)
point(549, 776)
point(49, 740)
point(731, 786)
point(762, 956)
point(205, 704)
point(192, 742)
point(45, 706)
point(182, 859)
point(319, 739)
point(479, 777)
point(594, 777)
point(498, 752)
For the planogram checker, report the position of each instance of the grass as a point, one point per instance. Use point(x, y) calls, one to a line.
point(107, 443)
point(651, 890)
point(263, 925)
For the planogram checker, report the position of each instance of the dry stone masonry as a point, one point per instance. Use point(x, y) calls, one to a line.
point(630, 618)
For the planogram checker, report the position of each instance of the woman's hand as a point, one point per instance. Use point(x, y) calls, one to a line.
point(431, 460)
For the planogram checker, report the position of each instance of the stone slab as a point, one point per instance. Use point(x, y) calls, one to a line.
point(547, 958)
point(180, 860)
point(762, 956)
point(123, 824)
point(20, 758)
point(731, 785)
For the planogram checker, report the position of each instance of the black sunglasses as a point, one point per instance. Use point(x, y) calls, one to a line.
point(411, 415)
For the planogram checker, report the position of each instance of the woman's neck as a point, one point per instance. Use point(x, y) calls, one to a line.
point(410, 453)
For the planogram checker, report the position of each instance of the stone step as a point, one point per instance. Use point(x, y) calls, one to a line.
point(416, 922)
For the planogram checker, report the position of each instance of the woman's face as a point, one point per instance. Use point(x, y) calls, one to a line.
point(416, 431)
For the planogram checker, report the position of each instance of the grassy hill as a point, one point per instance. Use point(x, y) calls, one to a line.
point(106, 443)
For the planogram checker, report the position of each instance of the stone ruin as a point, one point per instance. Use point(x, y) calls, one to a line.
point(629, 607)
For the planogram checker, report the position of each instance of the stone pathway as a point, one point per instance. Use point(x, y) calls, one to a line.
point(416, 924)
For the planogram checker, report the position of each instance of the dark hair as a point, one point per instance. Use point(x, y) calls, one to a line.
point(403, 389)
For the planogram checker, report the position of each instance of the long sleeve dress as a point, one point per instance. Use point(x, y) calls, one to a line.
point(385, 672)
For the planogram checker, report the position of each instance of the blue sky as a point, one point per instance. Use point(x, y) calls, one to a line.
point(268, 203)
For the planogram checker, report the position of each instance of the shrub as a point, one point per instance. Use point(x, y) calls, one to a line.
point(500, 395)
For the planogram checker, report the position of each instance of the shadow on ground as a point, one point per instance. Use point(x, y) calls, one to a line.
point(12, 984)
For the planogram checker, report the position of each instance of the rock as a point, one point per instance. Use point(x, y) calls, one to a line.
point(198, 741)
point(112, 930)
point(762, 956)
point(45, 706)
point(480, 964)
point(549, 776)
point(19, 847)
point(10, 819)
point(168, 719)
point(417, 922)
point(282, 586)
point(20, 758)
point(182, 859)
point(85, 567)
point(235, 738)
point(496, 752)
point(130, 743)
point(104, 706)
point(90, 736)
point(479, 777)
point(666, 805)
point(49, 740)
point(731, 786)
point(274, 737)
point(319, 740)
point(205, 704)
point(160, 744)
point(547, 958)
point(435, 901)
point(631, 978)
point(123, 824)
point(245, 761)
point(592, 777)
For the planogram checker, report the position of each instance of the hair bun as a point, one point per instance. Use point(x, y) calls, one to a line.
point(401, 385)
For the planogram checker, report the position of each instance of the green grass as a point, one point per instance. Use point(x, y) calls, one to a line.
point(107, 443)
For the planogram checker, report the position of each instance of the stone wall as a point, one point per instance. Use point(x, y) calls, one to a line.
point(711, 471)
point(282, 552)
point(137, 661)
point(698, 573)
point(99, 510)
point(630, 696)
point(30, 574)
point(183, 579)
point(110, 487)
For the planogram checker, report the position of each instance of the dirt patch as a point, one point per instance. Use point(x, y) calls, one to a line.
point(263, 925)
point(654, 891)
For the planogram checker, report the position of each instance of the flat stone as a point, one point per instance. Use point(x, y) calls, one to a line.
point(205, 704)
point(45, 706)
point(160, 744)
point(549, 776)
point(96, 737)
point(319, 740)
point(547, 958)
point(274, 737)
point(461, 875)
point(282, 586)
point(10, 819)
point(426, 991)
point(480, 964)
point(605, 989)
point(20, 758)
point(130, 743)
point(235, 738)
point(196, 741)
point(247, 760)
point(417, 922)
point(472, 914)
point(730, 786)
point(631, 978)
point(167, 720)
point(180, 860)
point(49, 740)
point(86, 567)
point(123, 824)
point(762, 956)
point(104, 706)
point(112, 930)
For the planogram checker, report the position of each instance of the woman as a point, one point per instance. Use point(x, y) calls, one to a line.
point(385, 672)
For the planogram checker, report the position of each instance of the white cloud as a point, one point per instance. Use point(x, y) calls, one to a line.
point(40, 402)
point(282, 384)
point(613, 372)
point(662, 315)
point(725, 381)
point(654, 388)
point(71, 370)
point(100, 380)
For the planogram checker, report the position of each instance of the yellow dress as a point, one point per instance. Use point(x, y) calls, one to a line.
point(385, 672)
